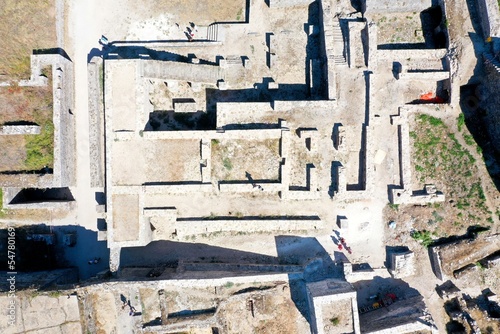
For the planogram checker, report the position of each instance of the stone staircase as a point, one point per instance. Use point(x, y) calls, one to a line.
point(338, 44)
point(213, 32)
point(490, 59)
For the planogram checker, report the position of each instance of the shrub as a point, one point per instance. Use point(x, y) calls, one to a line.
point(460, 121)
point(227, 163)
point(423, 236)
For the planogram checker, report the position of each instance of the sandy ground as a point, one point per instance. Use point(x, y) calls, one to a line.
point(42, 314)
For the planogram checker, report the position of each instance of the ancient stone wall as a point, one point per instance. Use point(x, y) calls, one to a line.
point(63, 174)
point(489, 16)
point(413, 327)
point(326, 18)
point(189, 283)
point(19, 130)
point(164, 70)
point(396, 6)
point(193, 227)
point(64, 121)
point(289, 3)
point(96, 122)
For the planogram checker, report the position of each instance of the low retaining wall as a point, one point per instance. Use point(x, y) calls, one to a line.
point(169, 70)
point(96, 123)
point(396, 6)
point(288, 3)
point(193, 227)
point(20, 130)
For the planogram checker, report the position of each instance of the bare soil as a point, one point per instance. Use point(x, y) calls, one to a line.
point(185, 166)
point(233, 159)
point(399, 28)
point(337, 318)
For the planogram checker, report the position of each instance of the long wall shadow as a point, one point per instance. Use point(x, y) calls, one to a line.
point(479, 100)
point(43, 247)
point(315, 76)
point(158, 253)
point(300, 250)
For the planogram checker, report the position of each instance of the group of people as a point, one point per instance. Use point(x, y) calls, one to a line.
point(258, 186)
point(189, 32)
point(343, 245)
point(132, 309)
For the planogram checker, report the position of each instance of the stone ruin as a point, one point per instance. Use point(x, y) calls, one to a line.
point(402, 264)
point(62, 175)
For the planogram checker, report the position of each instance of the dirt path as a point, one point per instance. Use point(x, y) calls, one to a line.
point(81, 38)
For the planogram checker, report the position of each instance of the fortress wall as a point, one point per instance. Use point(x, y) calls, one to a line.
point(190, 283)
point(288, 3)
point(64, 122)
point(396, 6)
point(193, 227)
point(96, 123)
point(394, 55)
point(250, 134)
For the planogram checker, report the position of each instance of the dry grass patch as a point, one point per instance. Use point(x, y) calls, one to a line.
point(24, 26)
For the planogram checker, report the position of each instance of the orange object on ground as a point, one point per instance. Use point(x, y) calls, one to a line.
point(429, 97)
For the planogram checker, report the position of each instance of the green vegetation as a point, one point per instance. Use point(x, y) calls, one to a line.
point(215, 142)
point(423, 237)
point(20, 66)
point(55, 294)
point(239, 14)
point(101, 77)
point(439, 158)
point(480, 265)
point(227, 163)
point(437, 217)
point(394, 206)
point(434, 121)
point(334, 321)
point(460, 121)
point(228, 285)
point(40, 148)
point(437, 151)
point(469, 140)
point(211, 217)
